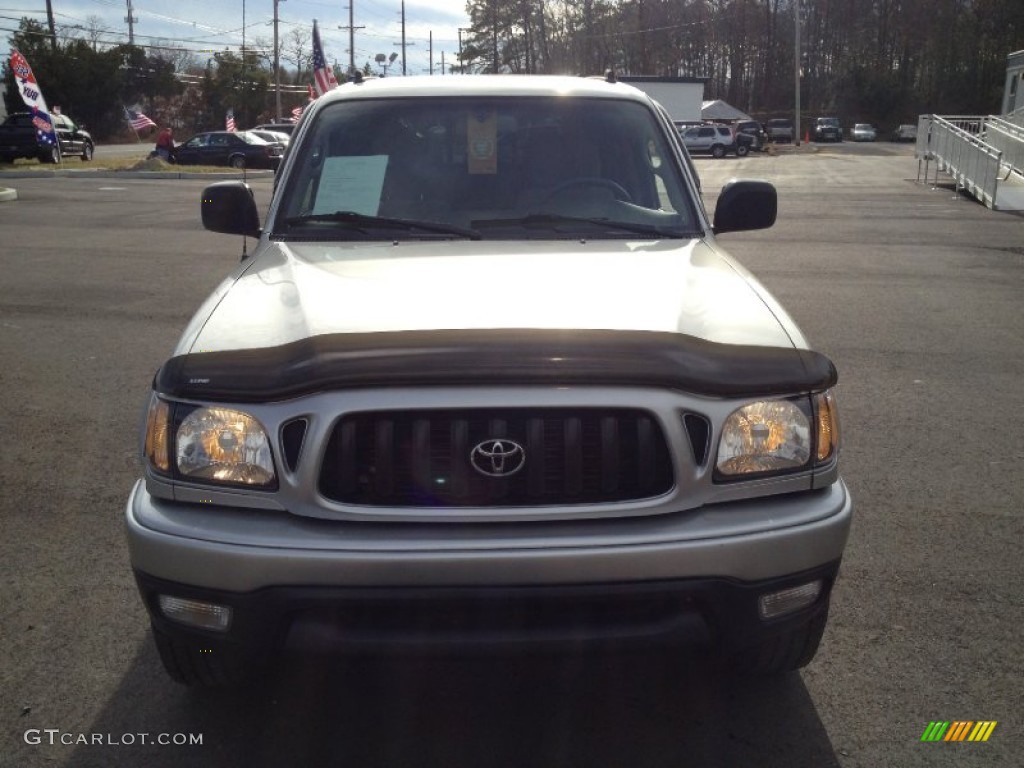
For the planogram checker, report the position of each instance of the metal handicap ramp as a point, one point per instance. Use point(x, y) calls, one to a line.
point(983, 155)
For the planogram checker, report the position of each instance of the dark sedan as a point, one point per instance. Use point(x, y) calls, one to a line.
point(238, 149)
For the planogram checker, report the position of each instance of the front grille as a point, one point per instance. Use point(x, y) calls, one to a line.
point(424, 458)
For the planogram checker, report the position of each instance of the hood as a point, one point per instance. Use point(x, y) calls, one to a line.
point(294, 291)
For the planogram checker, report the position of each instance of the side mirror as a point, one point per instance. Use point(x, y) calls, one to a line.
point(229, 207)
point(745, 205)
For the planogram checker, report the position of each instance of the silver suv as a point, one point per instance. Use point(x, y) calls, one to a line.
point(487, 379)
point(780, 129)
point(716, 140)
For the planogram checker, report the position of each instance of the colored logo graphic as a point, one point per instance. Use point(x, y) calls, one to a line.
point(959, 730)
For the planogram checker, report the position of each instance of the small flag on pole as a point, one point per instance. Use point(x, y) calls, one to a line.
point(138, 120)
point(296, 114)
point(229, 122)
point(323, 75)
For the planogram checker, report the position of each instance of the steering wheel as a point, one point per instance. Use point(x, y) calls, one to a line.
point(621, 193)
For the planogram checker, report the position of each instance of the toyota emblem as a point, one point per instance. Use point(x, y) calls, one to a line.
point(498, 457)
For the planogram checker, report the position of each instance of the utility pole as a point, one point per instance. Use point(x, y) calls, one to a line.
point(403, 39)
point(796, 72)
point(404, 44)
point(130, 18)
point(494, 36)
point(351, 38)
point(431, 55)
point(53, 27)
point(277, 69)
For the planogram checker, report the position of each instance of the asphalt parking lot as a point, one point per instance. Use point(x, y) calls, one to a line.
point(914, 292)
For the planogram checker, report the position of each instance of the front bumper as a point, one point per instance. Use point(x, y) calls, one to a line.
point(694, 613)
point(243, 550)
point(336, 585)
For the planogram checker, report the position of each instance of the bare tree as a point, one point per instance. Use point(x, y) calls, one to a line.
point(94, 29)
point(297, 49)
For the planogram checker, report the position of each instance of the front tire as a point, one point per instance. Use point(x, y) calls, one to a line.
point(742, 150)
point(718, 151)
point(238, 162)
point(87, 151)
point(51, 156)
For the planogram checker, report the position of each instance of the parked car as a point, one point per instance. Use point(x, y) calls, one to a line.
point(288, 128)
point(905, 132)
point(238, 149)
point(272, 137)
point(863, 132)
point(827, 129)
point(715, 140)
point(19, 138)
point(753, 129)
point(487, 379)
point(780, 130)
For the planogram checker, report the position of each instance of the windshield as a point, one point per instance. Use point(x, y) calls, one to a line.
point(500, 168)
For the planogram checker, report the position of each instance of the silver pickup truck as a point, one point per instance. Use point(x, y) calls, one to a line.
point(487, 379)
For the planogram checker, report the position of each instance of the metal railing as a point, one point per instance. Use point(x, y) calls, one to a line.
point(958, 147)
point(1008, 138)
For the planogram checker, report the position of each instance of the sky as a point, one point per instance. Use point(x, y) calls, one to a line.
point(205, 26)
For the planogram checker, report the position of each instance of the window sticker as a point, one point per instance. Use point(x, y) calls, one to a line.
point(482, 141)
point(351, 184)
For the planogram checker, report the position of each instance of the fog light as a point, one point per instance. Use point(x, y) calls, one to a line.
point(776, 604)
point(196, 613)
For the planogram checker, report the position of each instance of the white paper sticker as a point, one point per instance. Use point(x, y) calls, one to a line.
point(351, 184)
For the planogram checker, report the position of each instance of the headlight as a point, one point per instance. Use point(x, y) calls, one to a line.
point(768, 436)
point(210, 444)
point(223, 445)
point(778, 436)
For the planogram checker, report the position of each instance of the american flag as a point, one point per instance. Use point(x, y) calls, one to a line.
point(229, 122)
point(323, 75)
point(138, 120)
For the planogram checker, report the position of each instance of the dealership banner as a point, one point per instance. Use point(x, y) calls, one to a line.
point(32, 95)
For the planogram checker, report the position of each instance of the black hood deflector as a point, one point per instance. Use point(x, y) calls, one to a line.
point(503, 357)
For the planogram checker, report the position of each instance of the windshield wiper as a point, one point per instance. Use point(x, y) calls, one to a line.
point(362, 223)
point(553, 220)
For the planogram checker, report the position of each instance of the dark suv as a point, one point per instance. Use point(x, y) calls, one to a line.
point(828, 129)
point(753, 129)
point(19, 137)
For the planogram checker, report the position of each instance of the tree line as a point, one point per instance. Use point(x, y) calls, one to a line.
point(882, 61)
point(171, 86)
